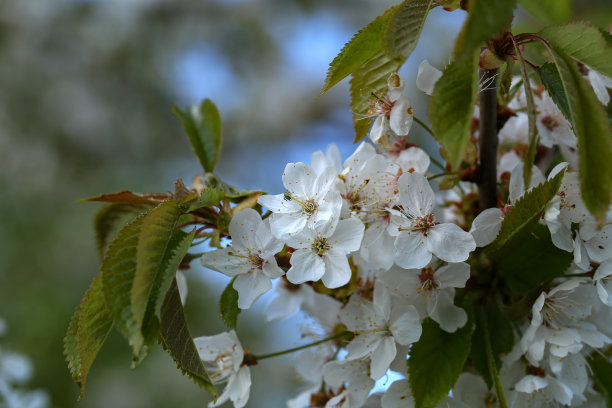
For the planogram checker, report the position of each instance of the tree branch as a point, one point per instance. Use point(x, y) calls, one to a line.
point(488, 139)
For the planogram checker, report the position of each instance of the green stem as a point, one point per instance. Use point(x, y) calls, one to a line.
point(491, 360)
point(305, 346)
point(424, 125)
point(435, 176)
point(428, 129)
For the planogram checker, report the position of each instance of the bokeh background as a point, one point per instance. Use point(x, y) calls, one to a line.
point(85, 92)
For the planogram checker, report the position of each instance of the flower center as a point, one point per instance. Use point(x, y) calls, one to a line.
point(424, 224)
point(256, 261)
point(309, 207)
point(381, 106)
point(320, 245)
point(427, 279)
point(550, 122)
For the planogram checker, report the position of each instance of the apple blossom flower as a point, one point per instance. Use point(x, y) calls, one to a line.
point(351, 377)
point(393, 111)
point(225, 357)
point(556, 315)
point(320, 253)
point(250, 258)
point(420, 236)
point(309, 200)
point(378, 327)
point(431, 291)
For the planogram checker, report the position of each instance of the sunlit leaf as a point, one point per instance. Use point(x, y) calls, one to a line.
point(203, 127)
point(360, 49)
point(153, 246)
point(175, 252)
point(403, 27)
point(452, 105)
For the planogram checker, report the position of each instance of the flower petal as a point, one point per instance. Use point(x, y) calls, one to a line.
point(412, 251)
point(250, 287)
point(450, 243)
point(427, 76)
point(305, 266)
point(416, 194)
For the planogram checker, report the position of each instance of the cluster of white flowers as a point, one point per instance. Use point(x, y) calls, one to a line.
point(373, 225)
point(15, 371)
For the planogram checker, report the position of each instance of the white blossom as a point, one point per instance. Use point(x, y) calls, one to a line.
point(309, 200)
point(320, 253)
point(392, 112)
point(225, 356)
point(250, 258)
point(420, 235)
point(378, 327)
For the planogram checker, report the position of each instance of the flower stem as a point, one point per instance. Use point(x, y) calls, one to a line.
point(305, 346)
point(488, 140)
point(499, 390)
point(428, 129)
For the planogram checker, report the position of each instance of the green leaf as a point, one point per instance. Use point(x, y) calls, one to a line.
point(549, 11)
point(370, 78)
point(203, 127)
point(602, 373)
point(403, 27)
point(179, 244)
point(118, 271)
point(485, 20)
point(228, 305)
point(501, 342)
point(362, 47)
point(176, 339)
point(452, 105)
point(113, 216)
point(87, 332)
point(208, 198)
point(523, 216)
point(582, 42)
point(214, 182)
point(549, 75)
point(153, 248)
point(535, 261)
point(399, 40)
point(436, 361)
point(592, 128)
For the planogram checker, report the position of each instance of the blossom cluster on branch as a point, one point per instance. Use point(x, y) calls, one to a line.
point(372, 251)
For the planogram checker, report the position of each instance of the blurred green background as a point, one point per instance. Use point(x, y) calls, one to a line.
point(86, 88)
